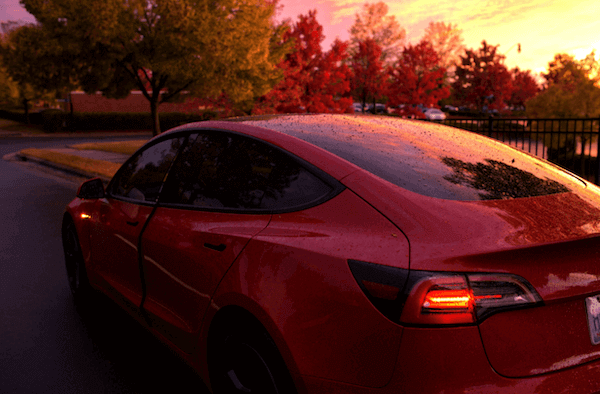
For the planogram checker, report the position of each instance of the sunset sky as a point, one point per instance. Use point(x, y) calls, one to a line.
point(542, 27)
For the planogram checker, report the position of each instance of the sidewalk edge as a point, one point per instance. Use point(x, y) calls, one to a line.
point(55, 166)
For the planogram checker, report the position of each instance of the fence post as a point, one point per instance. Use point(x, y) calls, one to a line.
point(597, 177)
point(490, 128)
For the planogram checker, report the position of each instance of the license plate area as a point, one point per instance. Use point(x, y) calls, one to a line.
point(592, 306)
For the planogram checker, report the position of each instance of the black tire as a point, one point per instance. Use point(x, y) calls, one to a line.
point(244, 359)
point(76, 272)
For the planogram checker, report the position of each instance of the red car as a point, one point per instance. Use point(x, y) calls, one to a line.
point(349, 254)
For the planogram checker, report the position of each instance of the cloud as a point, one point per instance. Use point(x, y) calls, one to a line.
point(343, 10)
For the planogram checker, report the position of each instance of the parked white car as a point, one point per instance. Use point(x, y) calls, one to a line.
point(434, 114)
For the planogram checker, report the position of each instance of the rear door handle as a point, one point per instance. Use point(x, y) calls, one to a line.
point(218, 248)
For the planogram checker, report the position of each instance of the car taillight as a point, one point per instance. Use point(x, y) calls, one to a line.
point(494, 292)
point(434, 298)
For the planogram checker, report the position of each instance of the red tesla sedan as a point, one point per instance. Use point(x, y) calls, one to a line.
point(349, 254)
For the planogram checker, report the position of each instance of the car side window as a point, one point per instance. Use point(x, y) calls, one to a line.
point(142, 176)
point(228, 171)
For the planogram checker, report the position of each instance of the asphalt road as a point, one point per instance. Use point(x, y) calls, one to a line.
point(45, 345)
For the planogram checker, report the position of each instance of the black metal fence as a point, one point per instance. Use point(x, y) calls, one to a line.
point(571, 143)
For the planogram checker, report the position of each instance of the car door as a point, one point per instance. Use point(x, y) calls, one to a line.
point(219, 194)
point(130, 199)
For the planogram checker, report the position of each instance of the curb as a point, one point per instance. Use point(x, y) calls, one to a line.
point(66, 169)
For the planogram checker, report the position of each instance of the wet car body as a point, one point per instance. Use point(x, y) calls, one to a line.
point(343, 281)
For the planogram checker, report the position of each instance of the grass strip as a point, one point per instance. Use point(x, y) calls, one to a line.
point(99, 167)
point(125, 147)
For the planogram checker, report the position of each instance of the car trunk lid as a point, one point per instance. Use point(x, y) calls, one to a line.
point(551, 241)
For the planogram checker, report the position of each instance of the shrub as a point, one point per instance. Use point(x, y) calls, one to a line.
point(53, 120)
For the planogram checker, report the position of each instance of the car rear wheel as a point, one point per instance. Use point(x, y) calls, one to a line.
point(76, 273)
point(245, 360)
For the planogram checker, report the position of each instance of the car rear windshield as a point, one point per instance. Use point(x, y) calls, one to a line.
point(428, 158)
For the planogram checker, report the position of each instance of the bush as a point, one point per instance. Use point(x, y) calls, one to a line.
point(111, 121)
point(53, 120)
point(169, 120)
point(18, 115)
point(57, 120)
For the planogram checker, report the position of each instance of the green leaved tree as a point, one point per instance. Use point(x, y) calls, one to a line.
point(571, 90)
point(37, 63)
point(168, 49)
point(9, 90)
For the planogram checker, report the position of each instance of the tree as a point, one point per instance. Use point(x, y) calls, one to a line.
point(447, 42)
point(566, 70)
point(9, 90)
point(331, 84)
point(524, 87)
point(279, 47)
point(313, 81)
point(417, 77)
point(8, 26)
point(373, 23)
point(369, 78)
point(40, 65)
point(305, 38)
point(571, 89)
point(174, 47)
point(482, 79)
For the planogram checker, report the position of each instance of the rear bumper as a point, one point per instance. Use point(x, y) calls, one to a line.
point(438, 361)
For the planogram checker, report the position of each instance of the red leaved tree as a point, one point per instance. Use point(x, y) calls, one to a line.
point(482, 79)
point(313, 81)
point(524, 87)
point(417, 78)
point(330, 86)
point(369, 82)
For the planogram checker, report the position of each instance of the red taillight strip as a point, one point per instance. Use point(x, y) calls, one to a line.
point(448, 300)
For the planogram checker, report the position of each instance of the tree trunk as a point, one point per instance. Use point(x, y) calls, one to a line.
point(71, 124)
point(154, 114)
point(26, 107)
point(71, 104)
point(363, 100)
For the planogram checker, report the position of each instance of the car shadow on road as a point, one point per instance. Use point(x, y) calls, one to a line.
point(137, 358)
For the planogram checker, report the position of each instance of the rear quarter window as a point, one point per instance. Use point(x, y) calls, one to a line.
point(226, 171)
